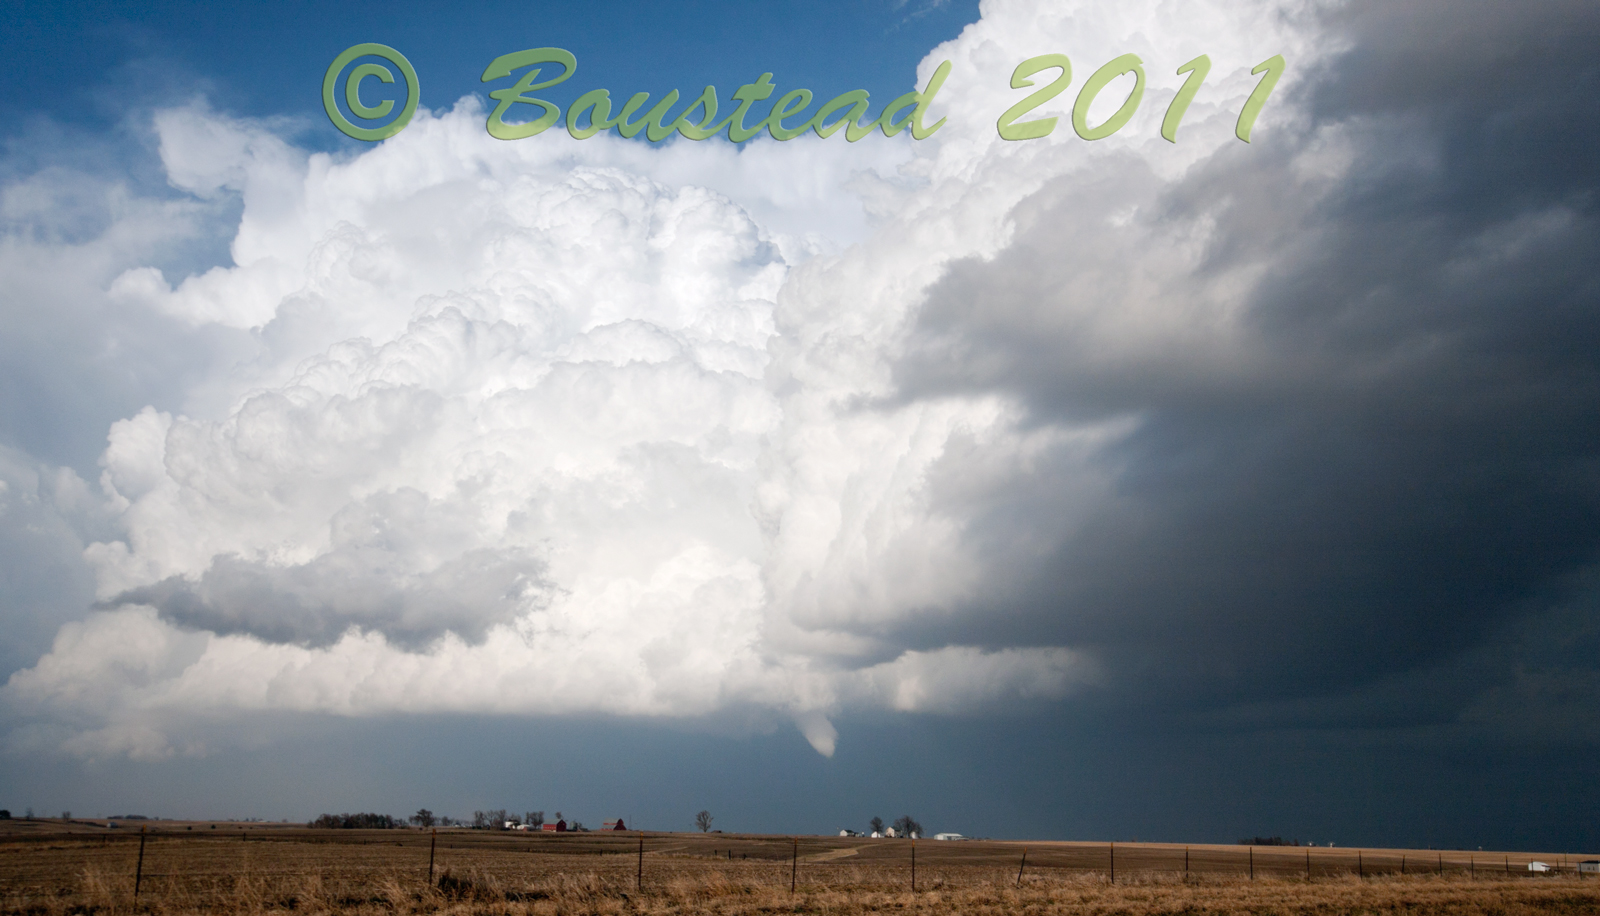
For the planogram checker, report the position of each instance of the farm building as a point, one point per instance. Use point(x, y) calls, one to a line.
point(613, 825)
point(1538, 867)
point(557, 827)
point(948, 836)
point(1589, 867)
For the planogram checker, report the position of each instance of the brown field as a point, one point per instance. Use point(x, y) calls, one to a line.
point(53, 868)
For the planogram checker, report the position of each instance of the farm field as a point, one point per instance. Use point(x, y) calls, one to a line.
point(49, 867)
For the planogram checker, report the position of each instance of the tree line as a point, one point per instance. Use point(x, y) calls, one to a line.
point(363, 821)
point(492, 819)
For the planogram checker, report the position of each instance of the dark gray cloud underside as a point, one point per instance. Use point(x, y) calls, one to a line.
point(316, 603)
point(1391, 454)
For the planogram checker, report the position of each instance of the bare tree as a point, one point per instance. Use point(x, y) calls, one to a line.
point(876, 824)
point(534, 819)
point(906, 825)
point(423, 818)
point(703, 821)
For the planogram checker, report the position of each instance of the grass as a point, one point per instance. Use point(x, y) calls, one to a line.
point(281, 870)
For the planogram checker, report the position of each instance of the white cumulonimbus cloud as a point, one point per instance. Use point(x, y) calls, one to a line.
point(557, 427)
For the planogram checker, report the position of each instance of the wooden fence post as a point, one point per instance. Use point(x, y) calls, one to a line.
point(794, 864)
point(432, 845)
point(1113, 863)
point(1308, 863)
point(1402, 865)
point(1361, 871)
point(1022, 866)
point(138, 871)
point(1252, 863)
point(1185, 863)
point(913, 866)
point(639, 879)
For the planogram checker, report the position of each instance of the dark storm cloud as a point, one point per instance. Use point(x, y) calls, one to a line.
point(1386, 454)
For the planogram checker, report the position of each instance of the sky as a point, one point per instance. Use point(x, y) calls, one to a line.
point(1051, 488)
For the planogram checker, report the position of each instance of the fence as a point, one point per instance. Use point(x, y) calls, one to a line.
point(346, 867)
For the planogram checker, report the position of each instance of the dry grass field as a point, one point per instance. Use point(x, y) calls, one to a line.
point(51, 868)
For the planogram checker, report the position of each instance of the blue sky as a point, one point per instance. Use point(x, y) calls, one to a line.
point(85, 64)
point(1056, 488)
